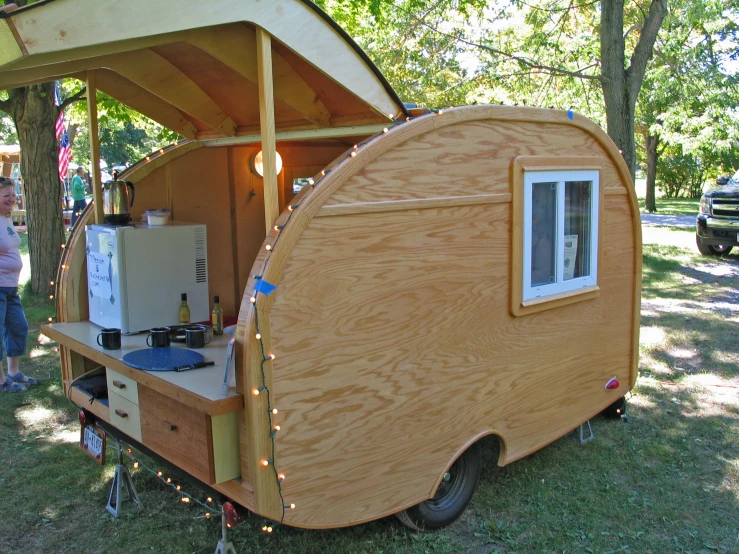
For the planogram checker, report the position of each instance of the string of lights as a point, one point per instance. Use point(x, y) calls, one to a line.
point(211, 507)
point(263, 389)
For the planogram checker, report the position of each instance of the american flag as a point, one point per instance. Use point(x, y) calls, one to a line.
point(65, 153)
point(65, 148)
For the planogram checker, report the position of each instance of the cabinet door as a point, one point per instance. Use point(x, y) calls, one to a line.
point(177, 432)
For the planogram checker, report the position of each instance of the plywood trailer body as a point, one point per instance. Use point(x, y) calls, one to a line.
point(443, 278)
point(398, 329)
point(399, 333)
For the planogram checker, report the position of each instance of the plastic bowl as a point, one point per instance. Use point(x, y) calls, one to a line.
point(157, 217)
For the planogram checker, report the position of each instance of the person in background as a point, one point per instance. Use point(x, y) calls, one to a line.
point(78, 190)
point(13, 324)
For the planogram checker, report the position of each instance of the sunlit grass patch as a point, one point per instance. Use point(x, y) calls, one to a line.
point(673, 206)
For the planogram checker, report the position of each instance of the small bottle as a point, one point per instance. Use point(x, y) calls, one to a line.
point(216, 317)
point(184, 310)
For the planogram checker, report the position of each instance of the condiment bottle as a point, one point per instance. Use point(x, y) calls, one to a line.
point(216, 317)
point(184, 310)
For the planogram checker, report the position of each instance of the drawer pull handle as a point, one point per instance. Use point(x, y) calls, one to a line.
point(121, 413)
point(119, 385)
point(172, 426)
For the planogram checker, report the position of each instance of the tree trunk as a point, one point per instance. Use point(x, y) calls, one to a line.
point(619, 114)
point(652, 156)
point(620, 85)
point(34, 113)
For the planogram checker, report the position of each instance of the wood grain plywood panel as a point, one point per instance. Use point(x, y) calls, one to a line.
point(151, 194)
point(461, 159)
point(395, 348)
point(249, 212)
point(200, 194)
point(218, 81)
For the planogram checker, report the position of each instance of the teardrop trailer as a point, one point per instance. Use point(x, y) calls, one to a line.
point(444, 277)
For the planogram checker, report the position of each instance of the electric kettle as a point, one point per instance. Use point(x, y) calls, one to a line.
point(116, 201)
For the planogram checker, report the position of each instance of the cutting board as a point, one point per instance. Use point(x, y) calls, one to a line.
point(161, 359)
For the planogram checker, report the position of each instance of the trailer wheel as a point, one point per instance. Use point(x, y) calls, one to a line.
point(616, 410)
point(451, 498)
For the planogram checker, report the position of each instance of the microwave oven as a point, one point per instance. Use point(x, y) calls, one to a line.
point(137, 273)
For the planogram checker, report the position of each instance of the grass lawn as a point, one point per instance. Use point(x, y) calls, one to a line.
point(667, 206)
point(668, 481)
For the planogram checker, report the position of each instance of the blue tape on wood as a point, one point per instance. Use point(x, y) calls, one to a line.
point(570, 114)
point(265, 287)
point(161, 359)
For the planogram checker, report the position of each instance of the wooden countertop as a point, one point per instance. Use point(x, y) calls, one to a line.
point(198, 388)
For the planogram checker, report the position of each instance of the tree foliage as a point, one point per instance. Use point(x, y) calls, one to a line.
point(418, 45)
point(688, 102)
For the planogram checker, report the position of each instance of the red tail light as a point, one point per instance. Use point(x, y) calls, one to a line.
point(232, 517)
point(612, 384)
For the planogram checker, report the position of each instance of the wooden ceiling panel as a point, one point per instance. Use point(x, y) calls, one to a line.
point(154, 73)
point(342, 103)
point(235, 46)
point(234, 94)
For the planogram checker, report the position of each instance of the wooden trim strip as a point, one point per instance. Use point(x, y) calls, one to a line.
point(267, 123)
point(521, 164)
point(307, 134)
point(11, 47)
point(414, 204)
point(227, 405)
point(556, 300)
point(92, 122)
point(613, 191)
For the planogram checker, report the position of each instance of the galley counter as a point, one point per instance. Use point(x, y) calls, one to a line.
point(181, 416)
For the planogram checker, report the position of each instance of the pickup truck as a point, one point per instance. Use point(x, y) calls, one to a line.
point(717, 224)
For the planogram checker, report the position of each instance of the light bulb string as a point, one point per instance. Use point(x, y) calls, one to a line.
point(211, 510)
point(258, 334)
point(264, 387)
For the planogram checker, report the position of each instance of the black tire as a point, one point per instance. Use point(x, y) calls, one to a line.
point(711, 250)
point(616, 410)
point(452, 496)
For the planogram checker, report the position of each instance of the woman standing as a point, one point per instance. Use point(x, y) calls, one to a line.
point(78, 190)
point(13, 324)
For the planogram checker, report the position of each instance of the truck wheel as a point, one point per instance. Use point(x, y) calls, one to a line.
point(710, 250)
point(616, 410)
point(451, 498)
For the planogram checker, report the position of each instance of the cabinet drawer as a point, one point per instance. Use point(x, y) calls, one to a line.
point(178, 433)
point(124, 415)
point(122, 385)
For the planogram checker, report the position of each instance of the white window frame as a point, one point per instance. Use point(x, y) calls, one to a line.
point(560, 286)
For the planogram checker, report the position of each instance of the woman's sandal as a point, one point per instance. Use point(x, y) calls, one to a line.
point(23, 379)
point(12, 386)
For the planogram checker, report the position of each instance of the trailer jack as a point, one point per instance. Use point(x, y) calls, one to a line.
point(121, 479)
point(590, 436)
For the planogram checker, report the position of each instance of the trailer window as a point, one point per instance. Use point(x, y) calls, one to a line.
point(560, 232)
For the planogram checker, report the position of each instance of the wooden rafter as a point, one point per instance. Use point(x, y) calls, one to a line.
point(156, 75)
point(232, 45)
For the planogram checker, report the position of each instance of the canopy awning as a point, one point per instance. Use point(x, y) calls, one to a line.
point(192, 65)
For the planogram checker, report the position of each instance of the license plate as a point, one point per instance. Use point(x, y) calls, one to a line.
point(92, 442)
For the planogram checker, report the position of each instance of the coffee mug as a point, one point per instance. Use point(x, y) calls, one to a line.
point(197, 336)
point(110, 339)
point(159, 337)
point(207, 329)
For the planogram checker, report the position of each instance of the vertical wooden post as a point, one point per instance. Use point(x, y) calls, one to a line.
point(267, 125)
point(259, 447)
point(92, 119)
